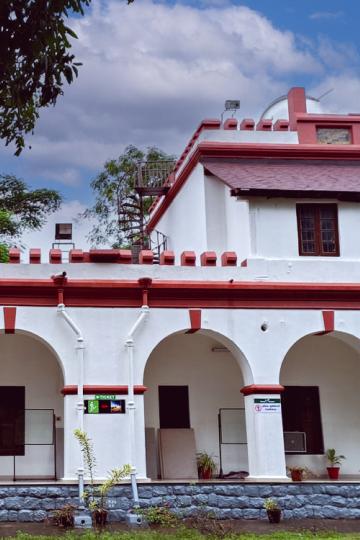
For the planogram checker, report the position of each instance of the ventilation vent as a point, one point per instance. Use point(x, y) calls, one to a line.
point(295, 441)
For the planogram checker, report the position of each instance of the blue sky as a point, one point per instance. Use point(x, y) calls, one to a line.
point(153, 70)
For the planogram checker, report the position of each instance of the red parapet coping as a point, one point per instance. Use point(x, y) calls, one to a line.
point(244, 263)
point(208, 258)
point(35, 256)
point(55, 256)
point(231, 123)
point(146, 256)
point(228, 258)
point(104, 255)
point(264, 125)
point(281, 125)
point(247, 124)
point(167, 258)
point(76, 256)
point(14, 255)
point(188, 258)
point(125, 256)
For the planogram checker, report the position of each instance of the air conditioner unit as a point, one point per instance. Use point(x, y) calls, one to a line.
point(295, 441)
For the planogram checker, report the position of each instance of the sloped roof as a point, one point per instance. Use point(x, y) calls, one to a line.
point(288, 177)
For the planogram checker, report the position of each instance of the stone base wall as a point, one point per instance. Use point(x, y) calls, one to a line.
point(225, 501)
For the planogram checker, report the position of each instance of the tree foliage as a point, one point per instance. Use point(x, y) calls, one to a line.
point(34, 61)
point(22, 208)
point(118, 209)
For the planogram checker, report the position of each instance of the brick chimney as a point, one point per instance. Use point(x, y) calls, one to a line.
point(296, 104)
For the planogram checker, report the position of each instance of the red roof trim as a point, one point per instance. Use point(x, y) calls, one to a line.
point(183, 294)
point(214, 149)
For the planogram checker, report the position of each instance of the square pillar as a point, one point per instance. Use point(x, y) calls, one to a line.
point(265, 437)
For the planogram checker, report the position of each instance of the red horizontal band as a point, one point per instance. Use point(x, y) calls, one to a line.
point(262, 389)
point(182, 294)
point(71, 389)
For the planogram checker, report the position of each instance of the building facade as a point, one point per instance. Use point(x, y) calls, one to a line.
point(247, 332)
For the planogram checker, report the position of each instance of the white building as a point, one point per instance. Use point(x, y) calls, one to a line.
point(256, 298)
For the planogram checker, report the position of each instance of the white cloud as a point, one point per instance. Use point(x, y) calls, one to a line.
point(151, 72)
point(337, 56)
point(344, 97)
point(317, 15)
point(68, 177)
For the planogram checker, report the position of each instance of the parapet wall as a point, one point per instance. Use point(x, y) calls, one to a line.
point(225, 501)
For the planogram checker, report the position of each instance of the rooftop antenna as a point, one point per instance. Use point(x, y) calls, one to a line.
point(325, 94)
point(231, 105)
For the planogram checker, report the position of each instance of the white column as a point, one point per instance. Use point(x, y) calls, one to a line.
point(265, 436)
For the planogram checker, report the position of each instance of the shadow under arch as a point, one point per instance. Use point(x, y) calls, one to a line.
point(193, 385)
point(320, 373)
point(348, 339)
point(226, 342)
point(32, 378)
point(44, 342)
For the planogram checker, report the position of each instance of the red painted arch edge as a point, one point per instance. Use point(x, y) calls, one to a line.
point(89, 389)
point(262, 389)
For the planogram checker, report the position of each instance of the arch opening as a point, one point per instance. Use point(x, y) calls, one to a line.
point(194, 383)
point(321, 401)
point(31, 408)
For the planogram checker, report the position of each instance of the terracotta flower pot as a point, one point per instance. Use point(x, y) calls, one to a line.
point(205, 474)
point(296, 475)
point(274, 516)
point(333, 472)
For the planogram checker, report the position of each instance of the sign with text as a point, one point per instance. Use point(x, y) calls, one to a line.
point(267, 405)
point(104, 406)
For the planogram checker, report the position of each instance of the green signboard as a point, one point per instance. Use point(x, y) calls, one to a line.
point(105, 396)
point(93, 406)
point(267, 405)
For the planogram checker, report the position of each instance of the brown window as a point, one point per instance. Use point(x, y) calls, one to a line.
point(301, 413)
point(12, 420)
point(174, 407)
point(318, 229)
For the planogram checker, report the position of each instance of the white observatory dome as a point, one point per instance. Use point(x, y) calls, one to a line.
point(278, 109)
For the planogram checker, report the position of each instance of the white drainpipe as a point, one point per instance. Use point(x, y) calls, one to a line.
point(129, 343)
point(80, 347)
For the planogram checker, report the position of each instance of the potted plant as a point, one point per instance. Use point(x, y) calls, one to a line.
point(206, 465)
point(296, 473)
point(273, 510)
point(334, 463)
point(96, 496)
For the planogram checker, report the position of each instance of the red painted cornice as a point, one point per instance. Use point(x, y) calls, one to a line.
point(214, 149)
point(182, 294)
